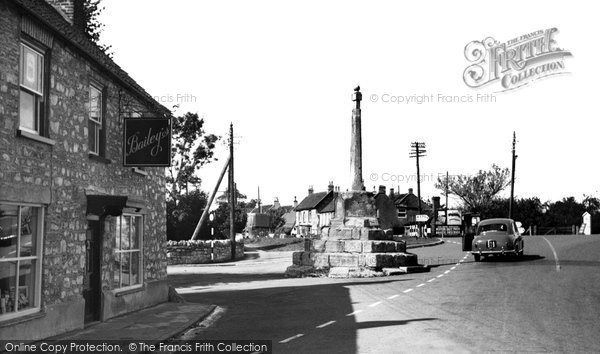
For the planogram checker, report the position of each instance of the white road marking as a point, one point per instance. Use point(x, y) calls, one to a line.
point(354, 313)
point(420, 285)
point(375, 304)
point(430, 280)
point(325, 324)
point(441, 275)
point(554, 252)
point(453, 268)
point(393, 296)
point(446, 272)
point(462, 260)
point(407, 291)
point(292, 338)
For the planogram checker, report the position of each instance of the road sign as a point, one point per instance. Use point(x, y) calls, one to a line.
point(422, 218)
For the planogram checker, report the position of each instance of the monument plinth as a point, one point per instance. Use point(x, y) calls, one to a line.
point(355, 244)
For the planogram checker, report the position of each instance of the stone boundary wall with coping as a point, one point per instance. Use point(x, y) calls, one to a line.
point(202, 252)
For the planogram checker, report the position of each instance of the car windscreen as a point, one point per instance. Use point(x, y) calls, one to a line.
point(496, 228)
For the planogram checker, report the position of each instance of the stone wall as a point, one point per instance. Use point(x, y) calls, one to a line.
point(199, 252)
point(57, 172)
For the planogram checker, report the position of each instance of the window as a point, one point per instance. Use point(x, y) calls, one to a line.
point(32, 89)
point(20, 259)
point(128, 258)
point(96, 112)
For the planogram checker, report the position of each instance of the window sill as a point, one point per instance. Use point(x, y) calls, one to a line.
point(139, 171)
point(129, 290)
point(21, 317)
point(99, 158)
point(35, 137)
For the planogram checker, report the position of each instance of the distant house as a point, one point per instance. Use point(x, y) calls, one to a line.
point(407, 205)
point(260, 219)
point(316, 211)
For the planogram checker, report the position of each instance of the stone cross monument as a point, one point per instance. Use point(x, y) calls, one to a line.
point(356, 144)
point(359, 241)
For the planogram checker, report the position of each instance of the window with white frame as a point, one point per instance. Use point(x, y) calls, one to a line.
point(128, 255)
point(31, 82)
point(20, 259)
point(95, 120)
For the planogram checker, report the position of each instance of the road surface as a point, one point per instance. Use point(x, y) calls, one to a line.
point(549, 301)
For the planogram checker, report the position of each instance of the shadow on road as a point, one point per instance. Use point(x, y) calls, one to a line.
point(512, 258)
point(277, 313)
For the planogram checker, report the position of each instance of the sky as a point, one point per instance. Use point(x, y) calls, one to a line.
point(283, 72)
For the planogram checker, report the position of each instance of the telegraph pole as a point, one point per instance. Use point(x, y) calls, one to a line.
point(447, 179)
point(417, 151)
point(512, 179)
point(232, 192)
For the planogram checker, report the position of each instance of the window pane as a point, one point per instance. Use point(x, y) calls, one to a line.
point(9, 218)
point(31, 69)
point(8, 277)
point(125, 261)
point(26, 291)
point(135, 268)
point(118, 233)
point(117, 273)
point(95, 104)
point(27, 118)
point(125, 231)
point(93, 136)
point(29, 231)
point(135, 232)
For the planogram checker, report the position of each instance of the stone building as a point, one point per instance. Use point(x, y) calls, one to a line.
point(81, 237)
point(315, 211)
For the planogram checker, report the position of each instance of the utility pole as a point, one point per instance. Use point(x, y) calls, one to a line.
point(447, 181)
point(232, 192)
point(417, 151)
point(512, 179)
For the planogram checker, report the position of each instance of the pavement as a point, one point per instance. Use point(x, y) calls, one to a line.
point(154, 324)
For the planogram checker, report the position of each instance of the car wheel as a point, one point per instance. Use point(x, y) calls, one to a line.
point(520, 251)
point(477, 257)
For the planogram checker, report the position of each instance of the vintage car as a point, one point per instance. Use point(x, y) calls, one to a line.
point(497, 237)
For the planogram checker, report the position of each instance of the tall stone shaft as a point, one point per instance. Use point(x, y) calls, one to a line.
point(356, 144)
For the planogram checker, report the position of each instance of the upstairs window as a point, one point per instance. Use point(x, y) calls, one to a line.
point(96, 121)
point(31, 89)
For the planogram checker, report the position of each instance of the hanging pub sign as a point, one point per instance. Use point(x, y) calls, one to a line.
point(147, 142)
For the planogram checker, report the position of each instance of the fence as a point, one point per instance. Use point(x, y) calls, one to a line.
point(201, 252)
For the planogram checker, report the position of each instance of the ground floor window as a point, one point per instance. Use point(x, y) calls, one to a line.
point(20, 259)
point(128, 255)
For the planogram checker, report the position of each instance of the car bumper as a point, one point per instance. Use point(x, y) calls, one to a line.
point(493, 252)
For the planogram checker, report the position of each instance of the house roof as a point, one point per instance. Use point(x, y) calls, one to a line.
point(330, 206)
point(311, 201)
point(410, 201)
point(55, 22)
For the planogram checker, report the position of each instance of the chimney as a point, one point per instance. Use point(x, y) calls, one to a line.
point(295, 202)
point(391, 192)
point(71, 10)
point(310, 190)
point(381, 189)
point(330, 186)
point(276, 204)
point(410, 191)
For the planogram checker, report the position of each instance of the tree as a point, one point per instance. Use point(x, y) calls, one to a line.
point(565, 212)
point(183, 216)
point(91, 10)
point(192, 148)
point(221, 220)
point(478, 191)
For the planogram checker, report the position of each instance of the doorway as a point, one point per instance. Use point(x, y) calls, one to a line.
point(91, 280)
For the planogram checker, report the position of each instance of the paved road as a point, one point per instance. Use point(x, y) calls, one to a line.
point(547, 302)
